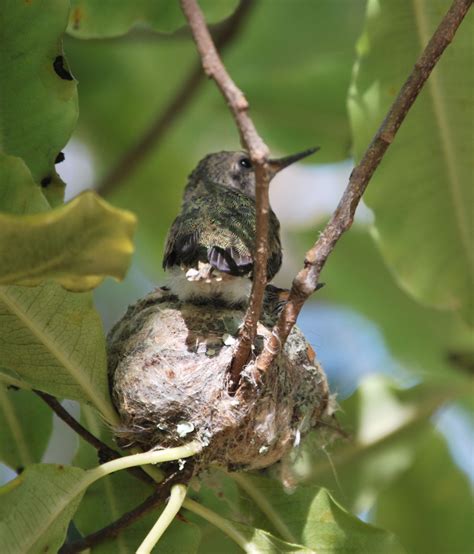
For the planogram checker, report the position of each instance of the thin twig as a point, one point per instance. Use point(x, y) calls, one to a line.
point(104, 450)
point(113, 529)
point(225, 34)
point(258, 152)
point(304, 284)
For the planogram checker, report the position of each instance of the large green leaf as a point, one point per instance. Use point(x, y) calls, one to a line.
point(53, 340)
point(109, 18)
point(25, 427)
point(77, 245)
point(38, 99)
point(422, 192)
point(258, 541)
point(247, 537)
point(308, 517)
point(35, 508)
point(313, 518)
point(429, 506)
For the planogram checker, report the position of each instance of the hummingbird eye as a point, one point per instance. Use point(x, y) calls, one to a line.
point(245, 162)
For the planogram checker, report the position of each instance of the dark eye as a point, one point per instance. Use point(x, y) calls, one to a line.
point(245, 162)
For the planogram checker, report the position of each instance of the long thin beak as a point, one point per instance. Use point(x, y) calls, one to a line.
point(281, 163)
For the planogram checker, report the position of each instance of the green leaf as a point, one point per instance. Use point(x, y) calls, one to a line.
point(36, 507)
point(77, 245)
point(429, 505)
point(260, 541)
point(109, 18)
point(53, 340)
point(25, 427)
point(38, 98)
point(422, 192)
point(248, 538)
point(316, 520)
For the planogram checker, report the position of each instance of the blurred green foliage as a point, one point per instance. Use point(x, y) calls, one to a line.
point(300, 63)
point(422, 193)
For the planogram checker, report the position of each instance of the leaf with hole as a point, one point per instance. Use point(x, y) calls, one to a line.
point(38, 96)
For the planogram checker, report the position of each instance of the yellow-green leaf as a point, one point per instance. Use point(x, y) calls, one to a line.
point(77, 245)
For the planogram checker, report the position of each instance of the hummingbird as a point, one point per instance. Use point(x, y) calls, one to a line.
point(209, 249)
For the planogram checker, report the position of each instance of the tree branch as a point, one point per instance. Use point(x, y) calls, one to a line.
point(258, 152)
point(225, 33)
point(113, 529)
point(307, 279)
point(103, 449)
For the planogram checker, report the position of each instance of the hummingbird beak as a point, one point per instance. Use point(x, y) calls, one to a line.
point(281, 163)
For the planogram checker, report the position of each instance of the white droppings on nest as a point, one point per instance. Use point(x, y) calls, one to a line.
point(201, 347)
point(167, 392)
point(228, 340)
point(184, 428)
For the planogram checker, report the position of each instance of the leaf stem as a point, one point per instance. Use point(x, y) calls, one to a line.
point(262, 502)
point(154, 457)
point(221, 523)
point(177, 496)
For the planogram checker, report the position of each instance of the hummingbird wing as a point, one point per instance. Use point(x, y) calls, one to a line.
point(230, 260)
point(223, 251)
point(219, 229)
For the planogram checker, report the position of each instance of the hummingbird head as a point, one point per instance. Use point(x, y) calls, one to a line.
point(235, 169)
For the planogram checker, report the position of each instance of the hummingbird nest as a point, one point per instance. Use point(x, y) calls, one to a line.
point(169, 378)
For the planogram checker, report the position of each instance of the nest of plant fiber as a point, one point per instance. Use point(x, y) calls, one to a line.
point(169, 378)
